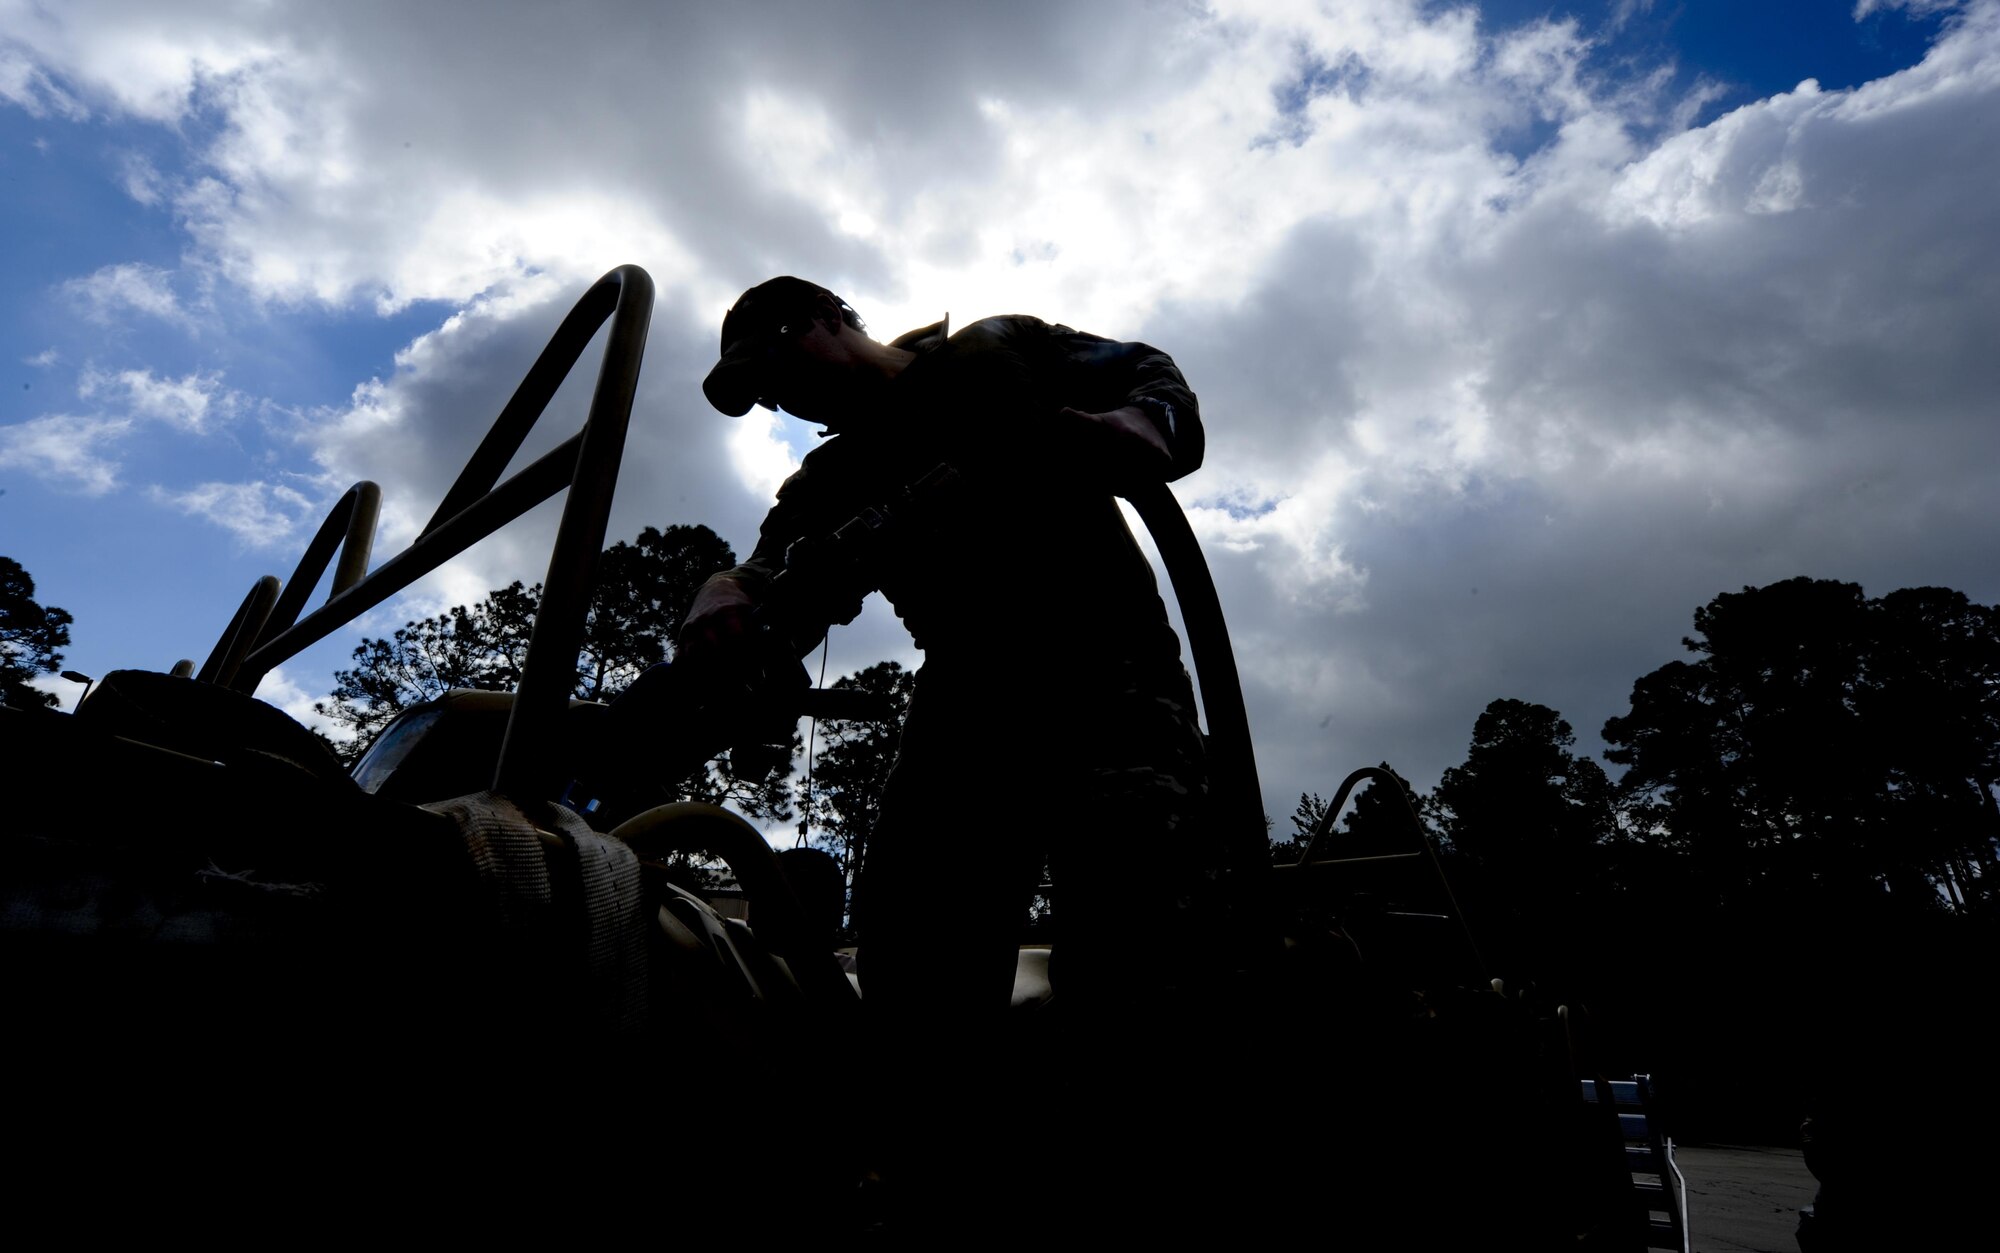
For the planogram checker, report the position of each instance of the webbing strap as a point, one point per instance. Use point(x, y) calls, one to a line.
point(599, 874)
point(506, 851)
point(614, 921)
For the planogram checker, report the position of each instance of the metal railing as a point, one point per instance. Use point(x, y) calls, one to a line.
point(267, 631)
point(1421, 850)
point(349, 528)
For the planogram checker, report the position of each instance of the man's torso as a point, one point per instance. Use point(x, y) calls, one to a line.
point(1026, 554)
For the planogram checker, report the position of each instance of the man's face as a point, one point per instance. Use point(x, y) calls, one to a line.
point(817, 375)
point(792, 349)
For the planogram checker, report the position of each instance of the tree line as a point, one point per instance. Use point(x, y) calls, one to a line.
point(1791, 884)
point(1820, 744)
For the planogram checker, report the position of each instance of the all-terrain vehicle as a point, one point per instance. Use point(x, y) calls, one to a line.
point(245, 981)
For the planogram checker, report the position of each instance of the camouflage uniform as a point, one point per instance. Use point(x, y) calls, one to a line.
point(1052, 719)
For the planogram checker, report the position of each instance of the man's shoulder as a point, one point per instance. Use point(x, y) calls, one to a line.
point(1020, 337)
point(1005, 328)
point(1001, 331)
point(1020, 333)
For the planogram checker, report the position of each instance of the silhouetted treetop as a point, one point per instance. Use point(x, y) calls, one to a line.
point(1823, 741)
point(32, 637)
point(1522, 799)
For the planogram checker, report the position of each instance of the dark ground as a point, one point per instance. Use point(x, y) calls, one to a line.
point(1743, 1199)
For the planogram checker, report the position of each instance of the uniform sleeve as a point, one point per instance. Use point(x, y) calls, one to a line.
point(798, 512)
point(1106, 374)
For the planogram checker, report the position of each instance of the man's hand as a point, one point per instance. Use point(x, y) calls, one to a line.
point(1123, 444)
point(719, 619)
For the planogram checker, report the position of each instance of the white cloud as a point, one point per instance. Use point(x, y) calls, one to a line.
point(757, 447)
point(141, 179)
point(192, 403)
point(260, 515)
point(27, 85)
point(282, 690)
point(145, 60)
point(134, 286)
point(43, 359)
point(62, 689)
point(1623, 11)
point(1863, 8)
point(64, 448)
point(79, 451)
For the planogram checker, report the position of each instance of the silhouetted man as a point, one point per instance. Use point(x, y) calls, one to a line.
point(1052, 720)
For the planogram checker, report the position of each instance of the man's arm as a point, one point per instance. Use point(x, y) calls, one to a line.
point(1136, 396)
point(719, 616)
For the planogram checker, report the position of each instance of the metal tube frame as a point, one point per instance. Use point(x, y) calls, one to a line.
point(226, 658)
point(479, 504)
point(349, 528)
point(1323, 830)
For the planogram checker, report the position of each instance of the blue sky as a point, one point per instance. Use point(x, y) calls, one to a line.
point(1752, 49)
point(1582, 306)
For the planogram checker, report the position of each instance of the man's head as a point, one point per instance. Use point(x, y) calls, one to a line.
point(765, 342)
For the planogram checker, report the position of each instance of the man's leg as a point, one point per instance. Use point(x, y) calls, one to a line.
point(949, 870)
point(1136, 865)
point(1136, 968)
point(951, 865)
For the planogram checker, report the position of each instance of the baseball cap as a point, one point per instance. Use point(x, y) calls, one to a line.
point(754, 330)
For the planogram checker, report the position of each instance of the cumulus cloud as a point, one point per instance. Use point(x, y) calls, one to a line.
point(260, 515)
point(141, 179)
point(193, 403)
point(1750, 352)
point(130, 286)
point(25, 84)
point(281, 689)
point(65, 449)
point(81, 452)
point(1506, 364)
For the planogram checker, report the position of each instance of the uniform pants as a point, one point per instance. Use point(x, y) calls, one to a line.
point(1101, 780)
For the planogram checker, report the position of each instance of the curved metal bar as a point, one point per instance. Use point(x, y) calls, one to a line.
point(505, 437)
point(1232, 760)
point(227, 656)
point(1324, 828)
point(478, 505)
point(698, 827)
point(528, 488)
point(529, 760)
point(349, 528)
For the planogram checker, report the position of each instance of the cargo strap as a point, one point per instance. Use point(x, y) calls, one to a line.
point(556, 875)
